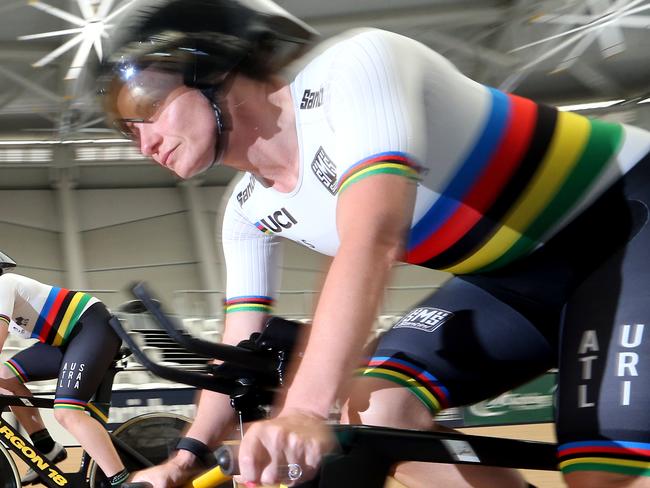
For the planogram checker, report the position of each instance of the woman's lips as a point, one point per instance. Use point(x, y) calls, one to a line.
point(165, 158)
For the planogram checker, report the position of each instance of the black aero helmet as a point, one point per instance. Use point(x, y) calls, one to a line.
point(6, 262)
point(159, 44)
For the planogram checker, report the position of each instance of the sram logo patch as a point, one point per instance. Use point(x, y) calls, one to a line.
point(312, 99)
point(426, 319)
point(325, 170)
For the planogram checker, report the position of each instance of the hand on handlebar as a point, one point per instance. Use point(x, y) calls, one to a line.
point(291, 439)
point(172, 473)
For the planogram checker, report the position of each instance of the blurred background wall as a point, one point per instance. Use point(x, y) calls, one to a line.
point(102, 240)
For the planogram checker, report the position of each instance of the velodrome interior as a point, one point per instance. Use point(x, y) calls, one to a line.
point(80, 207)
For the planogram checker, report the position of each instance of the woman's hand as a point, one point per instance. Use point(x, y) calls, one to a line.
point(174, 472)
point(292, 438)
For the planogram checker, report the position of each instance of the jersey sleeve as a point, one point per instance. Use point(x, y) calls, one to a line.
point(7, 298)
point(375, 107)
point(253, 261)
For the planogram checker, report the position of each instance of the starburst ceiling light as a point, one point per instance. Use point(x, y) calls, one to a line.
point(89, 30)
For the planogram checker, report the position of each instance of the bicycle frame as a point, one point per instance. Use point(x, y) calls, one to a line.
point(366, 454)
point(49, 474)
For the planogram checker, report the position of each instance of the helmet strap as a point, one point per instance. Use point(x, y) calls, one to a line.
point(222, 127)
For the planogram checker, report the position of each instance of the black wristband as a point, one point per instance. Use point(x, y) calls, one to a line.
point(200, 450)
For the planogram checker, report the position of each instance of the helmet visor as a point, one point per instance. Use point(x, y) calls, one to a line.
point(137, 95)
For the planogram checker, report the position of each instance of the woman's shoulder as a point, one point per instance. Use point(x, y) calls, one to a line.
point(17, 279)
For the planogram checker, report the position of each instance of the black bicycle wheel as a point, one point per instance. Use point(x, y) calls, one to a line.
point(9, 477)
point(152, 435)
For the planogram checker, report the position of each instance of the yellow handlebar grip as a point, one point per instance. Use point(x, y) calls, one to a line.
point(209, 479)
point(213, 478)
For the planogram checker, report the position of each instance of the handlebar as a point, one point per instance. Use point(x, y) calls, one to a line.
point(200, 380)
point(227, 459)
point(223, 352)
point(365, 454)
point(251, 372)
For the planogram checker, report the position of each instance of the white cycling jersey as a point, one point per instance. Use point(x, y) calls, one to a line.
point(497, 174)
point(35, 310)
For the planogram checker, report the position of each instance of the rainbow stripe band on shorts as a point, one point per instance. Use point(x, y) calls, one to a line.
point(420, 382)
point(71, 403)
point(249, 304)
point(622, 457)
point(17, 370)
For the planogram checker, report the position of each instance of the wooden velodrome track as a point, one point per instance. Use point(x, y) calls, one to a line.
point(540, 432)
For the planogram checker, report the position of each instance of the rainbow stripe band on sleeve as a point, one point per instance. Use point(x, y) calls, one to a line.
point(5, 319)
point(628, 458)
point(249, 304)
point(385, 163)
point(59, 315)
point(17, 370)
point(423, 384)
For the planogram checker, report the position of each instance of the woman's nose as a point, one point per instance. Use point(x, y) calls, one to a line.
point(150, 140)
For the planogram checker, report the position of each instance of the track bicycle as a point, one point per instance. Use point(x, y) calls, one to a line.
point(141, 442)
point(253, 371)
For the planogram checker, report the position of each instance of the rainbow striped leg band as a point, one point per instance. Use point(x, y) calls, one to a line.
point(16, 370)
point(70, 403)
point(621, 457)
point(73, 404)
point(420, 382)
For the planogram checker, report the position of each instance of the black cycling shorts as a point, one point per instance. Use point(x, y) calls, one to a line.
point(79, 365)
point(580, 303)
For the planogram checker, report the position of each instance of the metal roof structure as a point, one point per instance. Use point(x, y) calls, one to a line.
point(554, 51)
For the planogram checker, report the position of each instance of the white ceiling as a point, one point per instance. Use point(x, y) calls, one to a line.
point(555, 51)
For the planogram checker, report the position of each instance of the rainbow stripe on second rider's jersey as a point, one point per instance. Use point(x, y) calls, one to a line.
point(530, 166)
point(59, 315)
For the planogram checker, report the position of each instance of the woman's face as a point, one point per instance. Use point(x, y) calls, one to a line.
point(174, 125)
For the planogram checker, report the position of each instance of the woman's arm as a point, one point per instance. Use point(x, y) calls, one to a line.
point(4, 333)
point(214, 416)
point(373, 218)
point(7, 299)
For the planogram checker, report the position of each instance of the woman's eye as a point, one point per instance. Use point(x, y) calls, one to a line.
point(132, 131)
point(154, 108)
